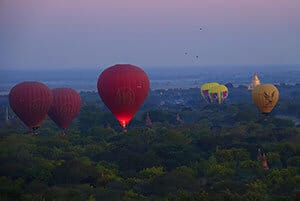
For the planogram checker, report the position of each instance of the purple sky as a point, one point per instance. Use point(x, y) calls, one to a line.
point(148, 33)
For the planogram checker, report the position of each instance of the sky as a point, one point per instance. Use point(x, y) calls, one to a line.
point(78, 34)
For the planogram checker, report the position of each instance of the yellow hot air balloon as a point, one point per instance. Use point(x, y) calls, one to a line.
point(205, 88)
point(218, 93)
point(265, 97)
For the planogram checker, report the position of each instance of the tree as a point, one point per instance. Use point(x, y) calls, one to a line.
point(150, 173)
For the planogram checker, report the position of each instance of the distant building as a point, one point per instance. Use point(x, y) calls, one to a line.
point(254, 83)
point(178, 118)
point(148, 120)
point(263, 159)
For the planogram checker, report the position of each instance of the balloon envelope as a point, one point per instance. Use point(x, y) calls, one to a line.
point(65, 106)
point(123, 89)
point(31, 102)
point(265, 97)
point(205, 89)
point(218, 93)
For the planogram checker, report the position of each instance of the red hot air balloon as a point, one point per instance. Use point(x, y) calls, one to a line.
point(31, 102)
point(123, 89)
point(65, 106)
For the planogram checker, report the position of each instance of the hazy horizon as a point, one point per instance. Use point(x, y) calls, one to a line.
point(178, 77)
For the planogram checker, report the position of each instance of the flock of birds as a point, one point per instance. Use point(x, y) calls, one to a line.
point(187, 53)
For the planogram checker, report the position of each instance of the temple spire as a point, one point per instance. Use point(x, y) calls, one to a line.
point(148, 120)
point(255, 82)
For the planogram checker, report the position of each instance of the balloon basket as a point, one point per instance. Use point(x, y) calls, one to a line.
point(34, 131)
point(63, 134)
point(124, 130)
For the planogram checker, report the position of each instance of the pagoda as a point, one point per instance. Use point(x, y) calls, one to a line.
point(148, 120)
point(254, 83)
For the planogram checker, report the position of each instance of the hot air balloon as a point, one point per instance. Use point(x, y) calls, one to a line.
point(65, 106)
point(265, 97)
point(218, 93)
point(31, 102)
point(123, 88)
point(205, 88)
